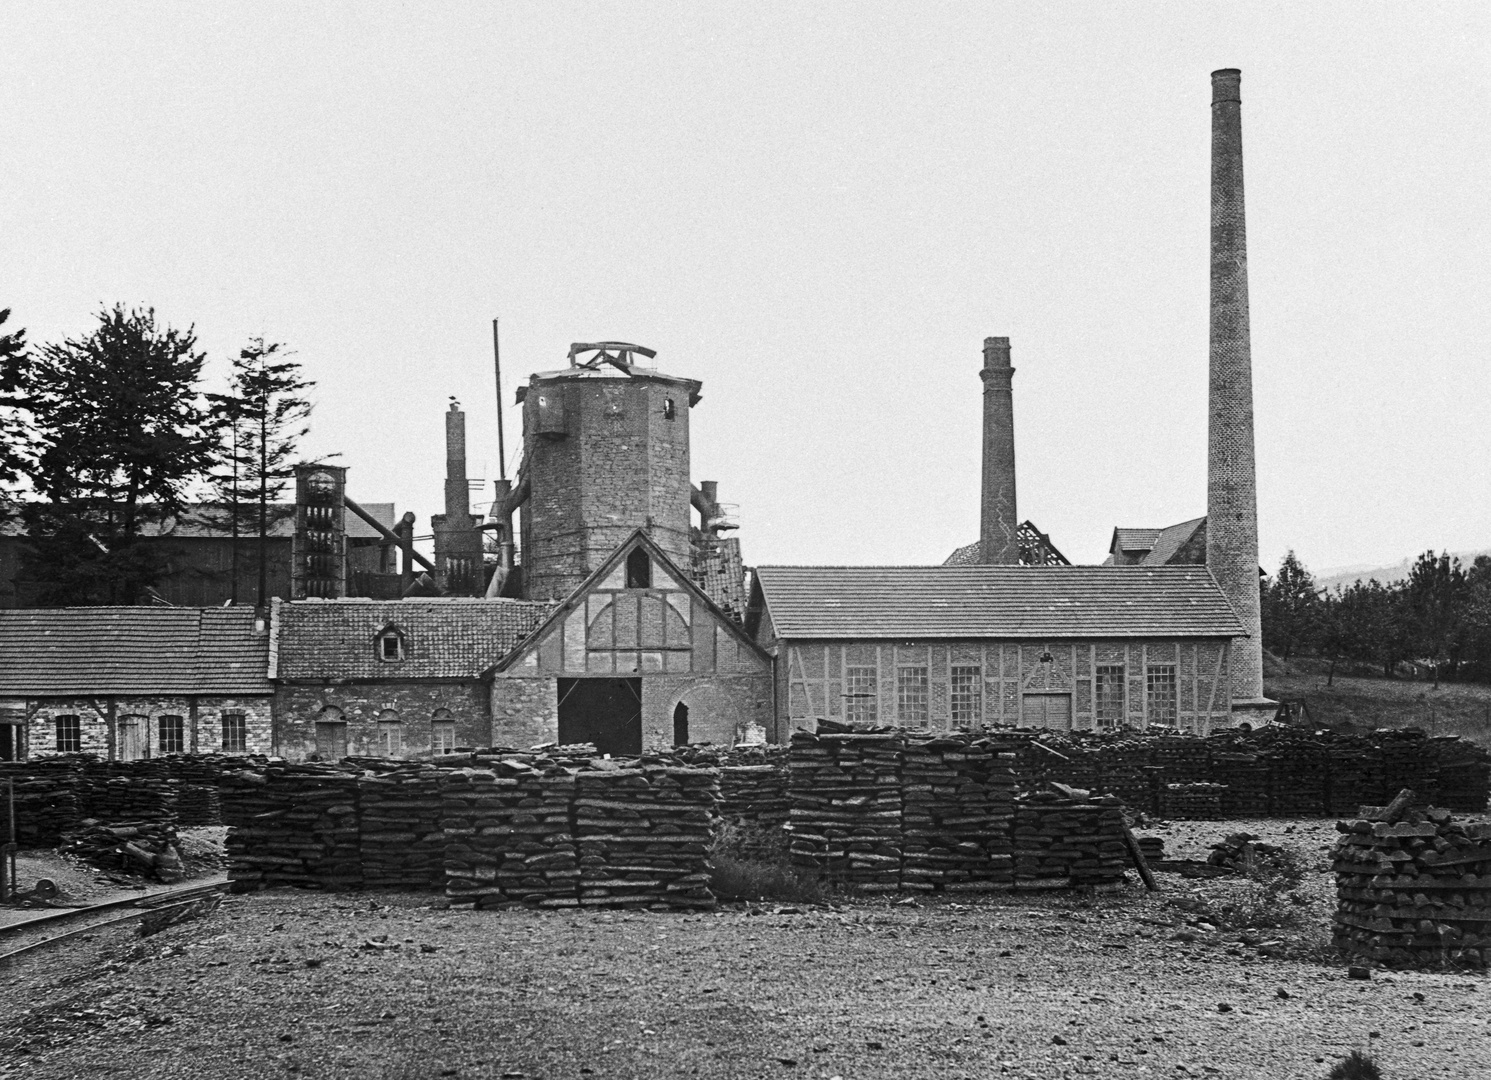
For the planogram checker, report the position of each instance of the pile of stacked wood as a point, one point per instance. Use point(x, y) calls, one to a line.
point(46, 799)
point(509, 838)
point(139, 848)
point(1245, 777)
point(129, 798)
point(1197, 801)
point(292, 825)
point(1297, 774)
point(755, 793)
point(1413, 888)
point(845, 790)
point(1464, 779)
point(1345, 779)
point(1127, 773)
point(643, 835)
point(401, 842)
point(1405, 759)
point(1067, 839)
point(957, 809)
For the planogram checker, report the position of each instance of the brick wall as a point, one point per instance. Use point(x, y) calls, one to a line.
point(298, 708)
point(202, 718)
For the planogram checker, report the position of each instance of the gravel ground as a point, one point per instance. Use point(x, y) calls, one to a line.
point(1118, 985)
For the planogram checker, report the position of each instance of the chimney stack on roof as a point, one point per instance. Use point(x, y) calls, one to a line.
point(998, 524)
point(1231, 481)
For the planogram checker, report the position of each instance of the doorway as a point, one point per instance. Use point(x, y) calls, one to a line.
point(8, 742)
point(1052, 711)
point(331, 740)
point(604, 712)
point(131, 738)
point(681, 725)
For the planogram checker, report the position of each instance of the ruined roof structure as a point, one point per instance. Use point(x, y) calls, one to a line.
point(132, 650)
point(444, 638)
point(1036, 549)
point(860, 602)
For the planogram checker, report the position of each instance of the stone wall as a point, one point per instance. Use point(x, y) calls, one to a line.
point(525, 710)
point(724, 710)
point(201, 715)
point(362, 706)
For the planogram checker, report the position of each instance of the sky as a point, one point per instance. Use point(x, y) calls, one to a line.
point(820, 211)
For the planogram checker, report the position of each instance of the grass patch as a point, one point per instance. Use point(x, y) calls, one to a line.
point(750, 862)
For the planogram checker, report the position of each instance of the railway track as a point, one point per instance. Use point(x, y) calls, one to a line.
point(20, 939)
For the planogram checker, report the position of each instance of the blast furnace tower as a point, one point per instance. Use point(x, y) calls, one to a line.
point(605, 451)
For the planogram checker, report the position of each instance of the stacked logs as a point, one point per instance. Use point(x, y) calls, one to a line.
point(1413, 888)
point(1405, 759)
point(508, 835)
point(957, 806)
point(643, 835)
point(1346, 780)
point(1126, 774)
point(1464, 779)
point(127, 798)
point(401, 843)
point(755, 793)
point(1067, 840)
point(292, 825)
point(845, 819)
point(1198, 801)
point(1297, 779)
point(1245, 777)
point(46, 799)
point(145, 848)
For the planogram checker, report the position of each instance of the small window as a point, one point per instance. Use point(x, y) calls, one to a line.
point(967, 696)
point(172, 735)
point(1160, 690)
point(669, 412)
point(911, 696)
point(860, 695)
point(235, 733)
point(69, 735)
point(442, 732)
point(1110, 696)
point(638, 570)
point(390, 646)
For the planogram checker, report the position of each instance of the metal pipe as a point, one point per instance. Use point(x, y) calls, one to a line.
point(387, 534)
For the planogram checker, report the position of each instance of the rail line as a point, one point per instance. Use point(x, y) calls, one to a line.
point(139, 907)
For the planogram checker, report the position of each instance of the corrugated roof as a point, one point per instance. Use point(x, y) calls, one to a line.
point(209, 520)
point(455, 638)
point(132, 650)
point(848, 602)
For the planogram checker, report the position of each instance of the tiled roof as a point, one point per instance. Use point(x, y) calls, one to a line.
point(132, 650)
point(848, 602)
point(719, 571)
point(967, 555)
point(207, 520)
point(1171, 540)
point(454, 638)
point(1134, 539)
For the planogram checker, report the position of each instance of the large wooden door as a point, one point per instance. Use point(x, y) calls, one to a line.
point(1047, 711)
point(331, 739)
point(131, 738)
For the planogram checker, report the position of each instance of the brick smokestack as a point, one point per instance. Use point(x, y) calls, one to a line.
point(1231, 482)
point(457, 492)
point(998, 525)
point(458, 554)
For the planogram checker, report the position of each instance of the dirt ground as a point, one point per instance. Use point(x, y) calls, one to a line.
point(1115, 985)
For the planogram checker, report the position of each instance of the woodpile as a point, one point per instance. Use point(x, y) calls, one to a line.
point(144, 848)
point(957, 810)
point(845, 820)
point(1245, 778)
point(1197, 801)
point(508, 835)
point(292, 825)
point(1413, 888)
point(401, 844)
point(643, 835)
point(46, 799)
point(1464, 778)
point(1064, 841)
point(127, 798)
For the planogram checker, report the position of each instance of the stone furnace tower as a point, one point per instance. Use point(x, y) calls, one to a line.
point(605, 451)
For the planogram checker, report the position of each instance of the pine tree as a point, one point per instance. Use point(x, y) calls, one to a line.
point(1291, 609)
point(121, 434)
point(15, 434)
point(260, 420)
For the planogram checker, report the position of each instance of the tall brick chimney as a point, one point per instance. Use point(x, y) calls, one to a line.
point(1231, 483)
point(998, 524)
point(458, 556)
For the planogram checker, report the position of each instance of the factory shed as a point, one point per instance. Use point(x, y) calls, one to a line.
point(958, 647)
point(637, 657)
point(133, 682)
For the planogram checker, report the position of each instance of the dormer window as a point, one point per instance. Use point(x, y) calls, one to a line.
point(390, 645)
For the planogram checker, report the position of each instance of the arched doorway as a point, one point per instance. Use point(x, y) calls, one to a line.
point(681, 725)
point(331, 734)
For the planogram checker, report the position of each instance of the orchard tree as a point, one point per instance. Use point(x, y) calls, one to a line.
point(259, 422)
point(121, 433)
point(1434, 599)
point(1291, 609)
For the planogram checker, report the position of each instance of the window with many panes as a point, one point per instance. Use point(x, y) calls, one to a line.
point(1110, 696)
point(69, 735)
point(172, 735)
point(860, 695)
point(911, 696)
point(442, 732)
point(967, 696)
point(235, 733)
point(1159, 690)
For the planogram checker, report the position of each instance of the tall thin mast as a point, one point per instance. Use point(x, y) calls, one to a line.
point(501, 442)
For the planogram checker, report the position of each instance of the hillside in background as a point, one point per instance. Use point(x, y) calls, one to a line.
point(1366, 703)
point(1345, 576)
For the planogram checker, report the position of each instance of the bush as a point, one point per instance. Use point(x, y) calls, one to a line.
point(1358, 1066)
point(752, 863)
